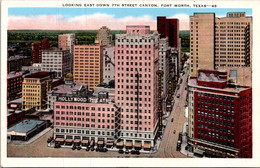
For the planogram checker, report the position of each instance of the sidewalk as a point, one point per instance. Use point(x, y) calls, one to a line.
point(184, 142)
point(37, 136)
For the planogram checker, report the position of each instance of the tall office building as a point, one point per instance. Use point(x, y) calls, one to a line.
point(220, 42)
point(67, 42)
point(88, 64)
point(105, 36)
point(168, 28)
point(58, 61)
point(136, 64)
point(109, 64)
point(220, 116)
point(37, 50)
point(34, 90)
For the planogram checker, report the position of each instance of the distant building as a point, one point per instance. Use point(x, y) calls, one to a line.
point(26, 129)
point(67, 42)
point(16, 62)
point(104, 36)
point(14, 85)
point(58, 61)
point(220, 116)
point(37, 50)
point(35, 88)
point(136, 64)
point(69, 88)
point(220, 42)
point(169, 28)
point(164, 65)
point(88, 64)
point(109, 64)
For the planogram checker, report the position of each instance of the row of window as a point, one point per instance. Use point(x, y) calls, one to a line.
point(133, 58)
point(84, 132)
point(84, 113)
point(84, 125)
point(83, 119)
point(134, 40)
point(84, 108)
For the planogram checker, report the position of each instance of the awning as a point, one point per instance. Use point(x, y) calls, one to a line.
point(138, 144)
point(76, 140)
point(110, 143)
point(68, 140)
point(147, 145)
point(85, 141)
point(100, 142)
point(128, 144)
point(120, 143)
point(59, 139)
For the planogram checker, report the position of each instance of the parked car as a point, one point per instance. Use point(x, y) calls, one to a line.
point(78, 148)
point(172, 119)
point(73, 147)
point(92, 148)
point(133, 152)
point(121, 151)
point(178, 96)
point(87, 148)
point(127, 151)
point(137, 152)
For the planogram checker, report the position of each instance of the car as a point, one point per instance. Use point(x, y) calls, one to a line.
point(97, 149)
point(78, 148)
point(127, 151)
point(174, 131)
point(137, 152)
point(185, 88)
point(172, 119)
point(92, 148)
point(187, 147)
point(178, 96)
point(87, 148)
point(57, 145)
point(121, 151)
point(73, 147)
point(133, 152)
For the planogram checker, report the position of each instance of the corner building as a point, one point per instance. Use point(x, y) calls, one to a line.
point(136, 63)
point(220, 116)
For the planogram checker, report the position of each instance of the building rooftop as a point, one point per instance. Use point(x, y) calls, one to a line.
point(67, 88)
point(38, 75)
point(25, 126)
point(14, 74)
point(210, 78)
point(17, 57)
point(194, 82)
point(19, 100)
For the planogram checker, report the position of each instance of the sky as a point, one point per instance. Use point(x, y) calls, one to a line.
point(94, 18)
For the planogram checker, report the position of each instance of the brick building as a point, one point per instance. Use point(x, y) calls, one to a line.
point(220, 116)
point(14, 85)
point(88, 64)
point(37, 50)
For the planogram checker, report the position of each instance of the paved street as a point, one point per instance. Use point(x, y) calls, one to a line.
point(167, 146)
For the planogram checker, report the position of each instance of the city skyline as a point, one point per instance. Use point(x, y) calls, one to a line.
point(94, 18)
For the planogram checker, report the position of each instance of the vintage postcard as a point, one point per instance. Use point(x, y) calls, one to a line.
point(129, 83)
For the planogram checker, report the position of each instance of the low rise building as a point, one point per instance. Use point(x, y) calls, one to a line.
point(16, 62)
point(14, 116)
point(26, 129)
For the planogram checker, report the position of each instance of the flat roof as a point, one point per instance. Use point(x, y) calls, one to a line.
point(38, 75)
point(25, 125)
point(19, 100)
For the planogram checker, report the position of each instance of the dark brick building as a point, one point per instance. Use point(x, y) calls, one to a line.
point(168, 28)
point(37, 50)
point(220, 116)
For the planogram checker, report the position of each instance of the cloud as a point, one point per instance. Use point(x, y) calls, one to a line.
point(86, 22)
point(83, 22)
point(183, 21)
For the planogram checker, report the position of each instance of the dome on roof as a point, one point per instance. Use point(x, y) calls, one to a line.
point(69, 75)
